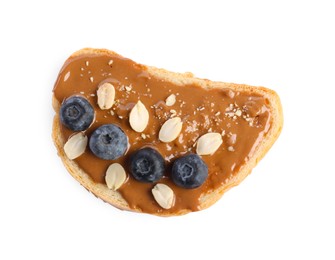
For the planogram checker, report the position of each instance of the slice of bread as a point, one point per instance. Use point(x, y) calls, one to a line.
point(206, 200)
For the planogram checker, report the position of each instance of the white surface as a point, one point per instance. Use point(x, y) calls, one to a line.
point(284, 210)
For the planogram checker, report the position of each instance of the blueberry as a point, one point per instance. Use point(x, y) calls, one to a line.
point(108, 142)
point(189, 171)
point(76, 113)
point(147, 165)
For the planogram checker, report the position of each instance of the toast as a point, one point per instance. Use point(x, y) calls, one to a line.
point(231, 115)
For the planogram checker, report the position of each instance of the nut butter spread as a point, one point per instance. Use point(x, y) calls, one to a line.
point(242, 119)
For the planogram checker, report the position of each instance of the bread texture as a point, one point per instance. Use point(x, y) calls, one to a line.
point(114, 197)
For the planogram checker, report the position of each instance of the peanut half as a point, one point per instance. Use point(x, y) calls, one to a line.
point(139, 117)
point(75, 145)
point(163, 195)
point(106, 96)
point(170, 130)
point(208, 143)
point(170, 100)
point(115, 176)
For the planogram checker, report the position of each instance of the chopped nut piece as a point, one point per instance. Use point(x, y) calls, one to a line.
point(110, 62)
point(163, 195)
point(231, 149)
point(208, 143)
point(238, 112)
point(106, 96)
point(230, 114)
point(171, 100)
point(76, 145)
point(180, 138)
point(231, 94)
point(128, 88)
point(232, 139)
point(67, 75)
point(91, 79)
point(170, 130)
point(173, 112)
point(139, 117)
point(115, 176)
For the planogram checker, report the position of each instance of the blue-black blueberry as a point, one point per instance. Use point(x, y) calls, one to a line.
point(108, 142)
point(147, 165)
point(189, 171)
point(76, 113)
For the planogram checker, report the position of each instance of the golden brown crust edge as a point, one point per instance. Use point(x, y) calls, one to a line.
point(113, 197)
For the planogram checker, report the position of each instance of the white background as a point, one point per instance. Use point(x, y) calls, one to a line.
point(283, 210)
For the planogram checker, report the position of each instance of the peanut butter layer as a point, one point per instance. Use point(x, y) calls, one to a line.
point(242, 118)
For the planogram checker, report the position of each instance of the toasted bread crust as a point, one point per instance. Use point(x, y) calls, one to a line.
point(206, 200)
